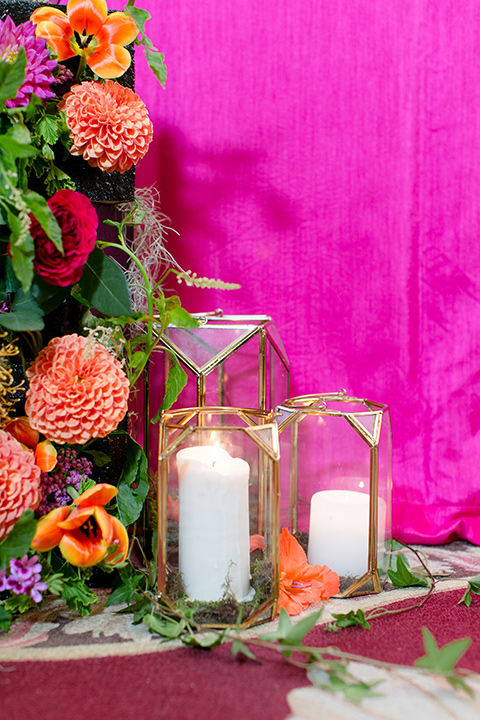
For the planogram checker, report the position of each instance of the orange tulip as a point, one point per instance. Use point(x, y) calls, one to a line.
point(45, 456)
point(89, 31)
point(22, 431)
point(84, 532)
point(44, 452)
point(301, 583)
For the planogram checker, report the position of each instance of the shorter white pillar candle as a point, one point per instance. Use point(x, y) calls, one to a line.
point(339, 529)
point(214, 533)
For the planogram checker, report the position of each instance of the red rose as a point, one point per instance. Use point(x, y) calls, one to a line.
point(78, 222)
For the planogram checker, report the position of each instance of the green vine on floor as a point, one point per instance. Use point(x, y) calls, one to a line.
point(326, 667)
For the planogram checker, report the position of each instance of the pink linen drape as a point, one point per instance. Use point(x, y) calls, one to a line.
point(325, 154)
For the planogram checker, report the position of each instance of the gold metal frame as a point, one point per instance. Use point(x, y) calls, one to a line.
point(178, 425)
point(304, 405)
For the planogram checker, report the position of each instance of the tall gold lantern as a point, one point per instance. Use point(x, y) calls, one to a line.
point(336, 484)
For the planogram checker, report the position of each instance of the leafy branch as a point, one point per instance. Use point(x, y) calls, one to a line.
point(326, 667)
point(401, 575)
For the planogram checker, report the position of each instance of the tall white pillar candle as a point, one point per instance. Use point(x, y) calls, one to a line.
point(339, 530)
point(214, 538)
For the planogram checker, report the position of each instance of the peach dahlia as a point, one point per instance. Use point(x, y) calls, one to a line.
point(77, 390)
point(19, 482)
point(109, 125)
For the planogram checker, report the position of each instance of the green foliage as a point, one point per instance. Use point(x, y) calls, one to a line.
point(336, 678)
point(133, 485)
point(402, 576)
point(473, 588)
point(6, 618)
point(443, 660)
point(18, 541)
point(176, 381)
point(104, 286)
point(204, 641)
point(12, 76)
point(18, 603)
point(77, 595)
point(289, 633)
point(351, 619)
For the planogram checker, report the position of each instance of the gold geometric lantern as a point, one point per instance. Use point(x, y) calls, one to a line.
point(336, 484)
point(230, 361)
point(218, 514)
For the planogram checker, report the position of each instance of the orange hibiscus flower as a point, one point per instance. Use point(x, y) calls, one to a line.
point(301, 583)
point(84, 532)
point(89, 31)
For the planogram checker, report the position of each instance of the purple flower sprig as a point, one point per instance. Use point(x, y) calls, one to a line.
point(70, 471)
point(24, 578)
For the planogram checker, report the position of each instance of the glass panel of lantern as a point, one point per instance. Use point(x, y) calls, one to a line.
point(336, 485)
point(218, 514)
point(230, 361)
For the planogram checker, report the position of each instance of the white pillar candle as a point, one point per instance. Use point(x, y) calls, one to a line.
point(339, 530)
point(214, 533)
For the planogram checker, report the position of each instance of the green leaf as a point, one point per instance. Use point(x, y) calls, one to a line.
point(239, 648)
point(104, 286)
point(348, 620)
point(21, 321)
point(16, 149)
point(133, 486)
point(138, 15)
point(47, 296)
point(203, 641)
point(156, 63)
point(38, 207)
point(166, 628)
point(176, 381)
point(18, 603)
point(6, 618)
point(21, 255)
point(441, 660)
point(18, 541)
point(25, 315)
point(337, 679)
point(289, 633)
point(473, 588)
point(403, 576)
point(12, 76)
point(47, 127)
point(99, 458)
point(179, 317)
point(78, 596)
point(125, 592)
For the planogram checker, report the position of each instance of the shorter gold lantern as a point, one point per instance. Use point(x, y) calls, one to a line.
point(218, 514)
point(336, 485)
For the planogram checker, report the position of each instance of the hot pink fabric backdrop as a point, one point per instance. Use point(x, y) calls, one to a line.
point(326, 155)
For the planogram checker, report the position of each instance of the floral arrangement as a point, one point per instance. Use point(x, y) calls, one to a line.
point(76, 328)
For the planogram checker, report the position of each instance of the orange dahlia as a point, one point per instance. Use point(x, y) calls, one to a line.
point(19, 482)
point(109, 125)
point(77, 390)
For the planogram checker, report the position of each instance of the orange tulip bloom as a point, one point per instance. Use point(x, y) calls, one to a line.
point(301, 583)
point(89, 31)
point(84, 532)
point(44, 452)
point(22, 431)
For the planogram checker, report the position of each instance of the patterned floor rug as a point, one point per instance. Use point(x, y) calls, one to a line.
point(56, 665)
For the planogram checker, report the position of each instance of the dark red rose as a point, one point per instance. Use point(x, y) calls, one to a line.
point(78, 222)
